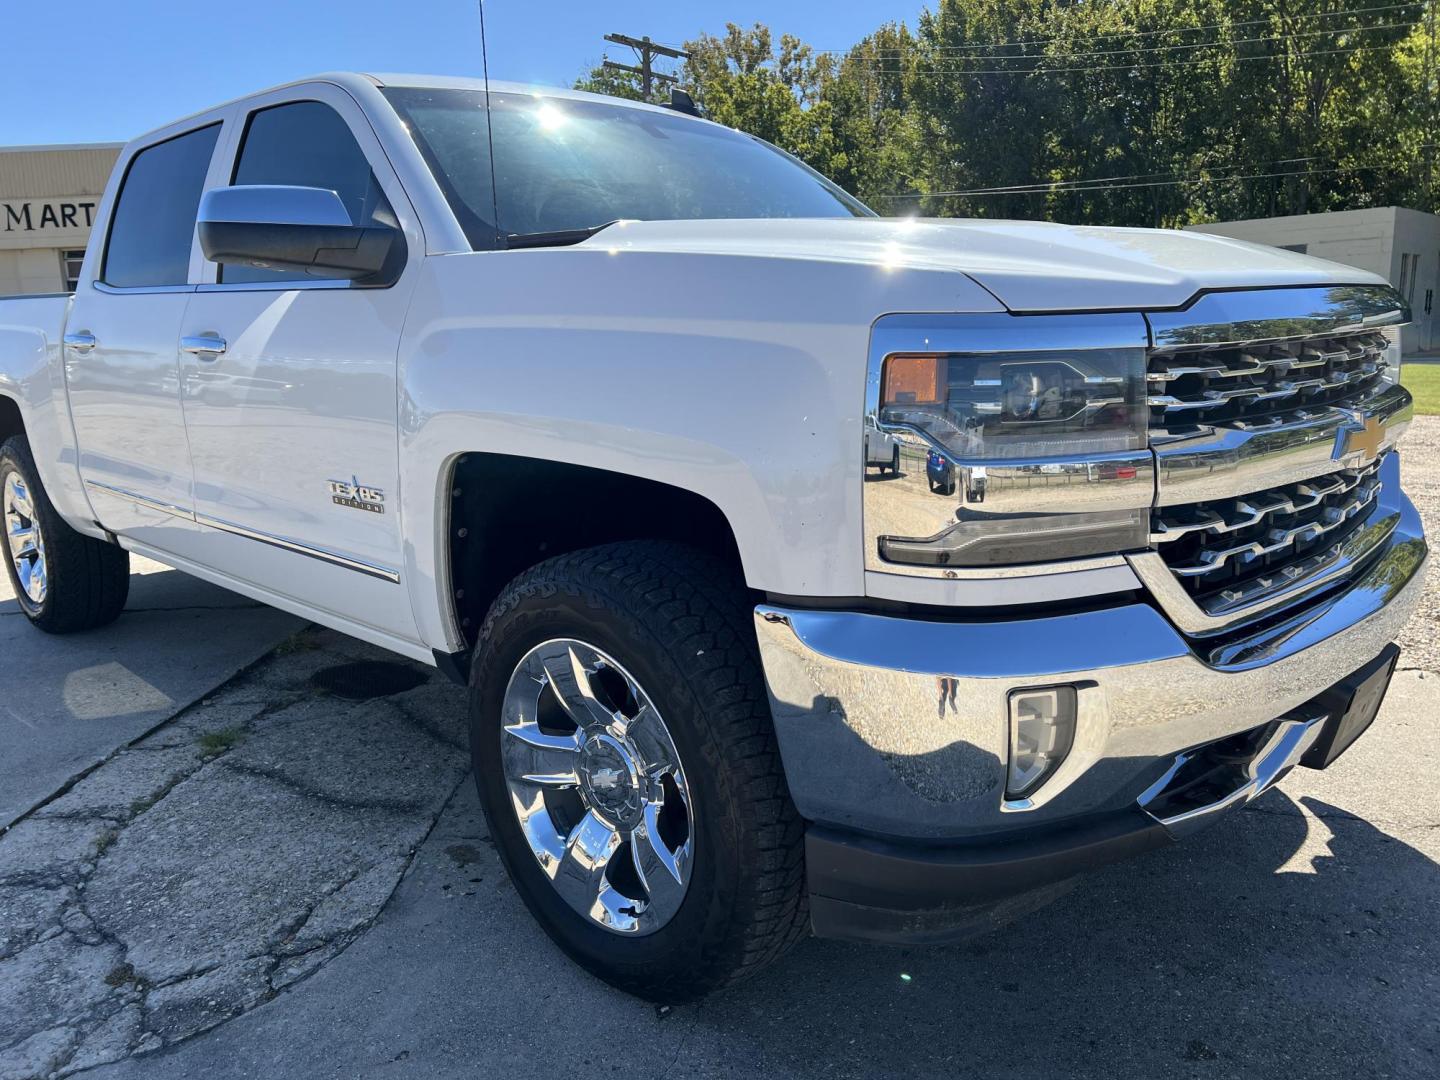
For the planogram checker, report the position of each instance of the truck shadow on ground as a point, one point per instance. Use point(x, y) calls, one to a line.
point(1279, 940)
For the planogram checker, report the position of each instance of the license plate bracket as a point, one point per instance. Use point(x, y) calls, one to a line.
point(1352, 705)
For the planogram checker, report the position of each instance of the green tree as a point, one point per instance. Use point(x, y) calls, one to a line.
point(1127, 112)
point(621, 84)
point(746, 80)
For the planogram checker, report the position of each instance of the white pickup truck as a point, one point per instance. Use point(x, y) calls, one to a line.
point(810, 570)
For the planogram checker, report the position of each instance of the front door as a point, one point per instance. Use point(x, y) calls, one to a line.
point(290, 388)
point(121, 362)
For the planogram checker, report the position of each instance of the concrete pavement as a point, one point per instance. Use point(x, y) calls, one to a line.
point(65, 704)
point(279, 883)
point(218, 859)
point(1296, 939)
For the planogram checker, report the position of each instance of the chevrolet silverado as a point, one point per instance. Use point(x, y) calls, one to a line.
point(811, 571)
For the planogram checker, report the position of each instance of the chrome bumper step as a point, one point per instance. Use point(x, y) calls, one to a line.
point(1201, 784)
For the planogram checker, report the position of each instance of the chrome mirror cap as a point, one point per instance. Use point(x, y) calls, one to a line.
point(302, 230)
point(273, 204)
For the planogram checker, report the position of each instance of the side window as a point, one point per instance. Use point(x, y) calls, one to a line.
point(306, 144)
point(153, 226)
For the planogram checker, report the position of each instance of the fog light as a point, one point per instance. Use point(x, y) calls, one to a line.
point(1042, 730)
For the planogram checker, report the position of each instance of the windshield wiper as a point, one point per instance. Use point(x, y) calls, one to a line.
point(554, 238)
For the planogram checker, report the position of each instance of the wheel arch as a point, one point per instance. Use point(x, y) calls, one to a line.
point(506, 513)
point(11, 422)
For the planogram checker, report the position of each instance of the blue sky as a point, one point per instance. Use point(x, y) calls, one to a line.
point(106, 70)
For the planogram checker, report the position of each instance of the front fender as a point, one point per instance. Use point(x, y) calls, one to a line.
point(737, 378)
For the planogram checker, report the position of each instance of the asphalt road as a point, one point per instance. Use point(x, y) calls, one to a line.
point(66, 704)
point(1296, 939)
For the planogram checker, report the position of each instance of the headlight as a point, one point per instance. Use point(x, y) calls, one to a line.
point(1011, 407)
point(1013, 454)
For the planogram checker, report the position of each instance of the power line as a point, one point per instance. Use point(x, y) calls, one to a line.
point(1046, 190)
point(1178, 48)
point(1135, 33)
point(1099, 181)
point(1039, 70)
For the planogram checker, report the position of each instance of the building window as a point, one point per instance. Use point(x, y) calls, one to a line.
point(1409, 271)
point(70, 263)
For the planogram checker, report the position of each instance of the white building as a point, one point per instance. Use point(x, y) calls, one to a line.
point(1400, 245)
point(48, 199)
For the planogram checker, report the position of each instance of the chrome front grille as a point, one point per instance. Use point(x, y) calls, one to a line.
point(1263, 383)
point(1274, 414)
point(1229, 553)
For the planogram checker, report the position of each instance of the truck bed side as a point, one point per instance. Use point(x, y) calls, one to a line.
point(33, 400)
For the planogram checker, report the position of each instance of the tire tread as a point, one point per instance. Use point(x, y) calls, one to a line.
point(701, 605)
point(89, 578)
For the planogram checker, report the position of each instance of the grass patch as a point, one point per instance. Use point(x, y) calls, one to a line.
point(1423, 380)
point(120, 975)
point(213, 743)
point(305, 640)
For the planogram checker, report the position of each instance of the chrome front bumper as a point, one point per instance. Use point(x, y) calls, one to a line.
point(875, 741)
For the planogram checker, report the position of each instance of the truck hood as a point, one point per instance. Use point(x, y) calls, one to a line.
point(1028, 266)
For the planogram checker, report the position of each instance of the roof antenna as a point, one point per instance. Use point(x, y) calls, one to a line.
point(489, 136)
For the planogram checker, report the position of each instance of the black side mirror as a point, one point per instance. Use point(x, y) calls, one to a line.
point(275, 227)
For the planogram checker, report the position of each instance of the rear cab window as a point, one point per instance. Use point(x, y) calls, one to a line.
point(152, 229)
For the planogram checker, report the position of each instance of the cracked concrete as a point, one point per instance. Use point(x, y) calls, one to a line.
point(173, 888)
point(91, 694)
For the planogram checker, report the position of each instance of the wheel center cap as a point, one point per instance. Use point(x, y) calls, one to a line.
point(609, 779)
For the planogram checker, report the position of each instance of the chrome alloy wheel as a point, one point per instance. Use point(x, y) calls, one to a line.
point(596, 783)
point(26, 543)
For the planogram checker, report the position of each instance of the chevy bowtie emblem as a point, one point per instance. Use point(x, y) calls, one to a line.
point(1365, 440)
point(605, 779)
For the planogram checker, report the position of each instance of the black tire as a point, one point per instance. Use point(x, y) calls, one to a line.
point(680, 622)
point(88, 579)
point(895, 462)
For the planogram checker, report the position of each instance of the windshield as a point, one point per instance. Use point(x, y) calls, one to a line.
point(571, 164)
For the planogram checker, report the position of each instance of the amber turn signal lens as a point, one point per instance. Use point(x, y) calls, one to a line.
point(911, 380)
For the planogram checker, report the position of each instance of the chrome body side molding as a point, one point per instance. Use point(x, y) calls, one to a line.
point(384, 573)
point(140, 500)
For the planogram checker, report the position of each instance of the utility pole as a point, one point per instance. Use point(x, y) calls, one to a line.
point(1431, 92)
point(645, 50)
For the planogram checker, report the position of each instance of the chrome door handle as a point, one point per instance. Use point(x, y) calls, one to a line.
point(207, 347)
point(83, 341)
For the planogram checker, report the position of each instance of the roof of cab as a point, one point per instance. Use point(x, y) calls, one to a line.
point(352, 80)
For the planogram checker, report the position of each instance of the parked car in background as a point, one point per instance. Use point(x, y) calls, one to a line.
point(939, 472)
point(578, 400)
point(882, 450)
